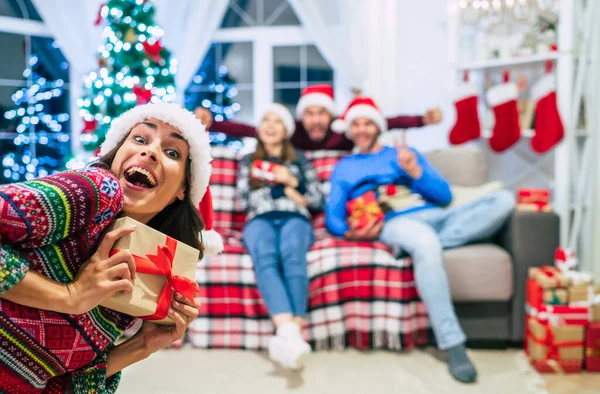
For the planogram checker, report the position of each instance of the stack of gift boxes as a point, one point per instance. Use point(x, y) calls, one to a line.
point(562, 325)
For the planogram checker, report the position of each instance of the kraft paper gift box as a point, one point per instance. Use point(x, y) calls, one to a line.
point(163, 266)
point(549, 277)
point(554, 338)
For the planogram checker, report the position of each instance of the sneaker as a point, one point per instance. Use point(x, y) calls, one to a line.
point(289, 353)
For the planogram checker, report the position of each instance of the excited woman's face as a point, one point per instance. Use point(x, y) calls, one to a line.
point(150, 166)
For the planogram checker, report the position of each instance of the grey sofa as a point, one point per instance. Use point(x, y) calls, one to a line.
point(487, 280)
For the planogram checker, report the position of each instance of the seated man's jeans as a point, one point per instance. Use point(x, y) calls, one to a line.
point(424, 235)
point(278, 249)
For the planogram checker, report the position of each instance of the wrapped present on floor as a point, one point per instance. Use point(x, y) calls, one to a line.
point(163, 266)
point(592, 348)
point(556, 297)
point(554, 337)
point(263, 170)
point(555, 348)
point(363, 210)
point(533, 200)
point(549, 277)
point(581, 295)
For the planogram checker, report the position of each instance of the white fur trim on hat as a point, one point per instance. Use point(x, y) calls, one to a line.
point(465, 91)
point(543, 87)
point(212, 242)
point(365, 111)
point(184, 121)
point(318, 99)
point(285, 115)
point(502, 93)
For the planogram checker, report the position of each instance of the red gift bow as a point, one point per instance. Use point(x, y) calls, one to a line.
point(162, 264)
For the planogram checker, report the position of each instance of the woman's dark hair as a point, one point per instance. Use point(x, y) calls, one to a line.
point(288, 153)
point(180, 219)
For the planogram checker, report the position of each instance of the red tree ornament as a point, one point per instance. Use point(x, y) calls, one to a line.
point(89, 126)
point(153, 50)
point(143, 95)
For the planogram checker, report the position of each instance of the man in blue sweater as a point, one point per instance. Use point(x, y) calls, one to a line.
point(414, 197)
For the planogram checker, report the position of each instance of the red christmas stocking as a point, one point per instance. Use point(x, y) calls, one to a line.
point(506, 132)
point(467, 126)
point(549, 129)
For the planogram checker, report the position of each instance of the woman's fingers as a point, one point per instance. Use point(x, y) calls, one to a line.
point(187, 310)
point(119, 271)
point(180, 323)
point(123, 256)
point(109, 240)
point(121, 285)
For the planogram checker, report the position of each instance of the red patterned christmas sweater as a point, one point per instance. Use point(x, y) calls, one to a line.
point(52, 225)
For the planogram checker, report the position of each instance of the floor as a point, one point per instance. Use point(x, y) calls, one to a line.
point(423, 371)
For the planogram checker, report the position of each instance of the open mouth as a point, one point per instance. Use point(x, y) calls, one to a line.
point(140, 177)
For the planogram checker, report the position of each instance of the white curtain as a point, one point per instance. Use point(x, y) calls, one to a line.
point(339, 31)
point(189, 28)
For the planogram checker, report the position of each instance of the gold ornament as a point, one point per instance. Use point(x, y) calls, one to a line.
point(130, 36)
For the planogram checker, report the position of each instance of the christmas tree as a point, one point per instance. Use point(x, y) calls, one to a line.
point(220, 95)
point(42, 142)
point(134, 68)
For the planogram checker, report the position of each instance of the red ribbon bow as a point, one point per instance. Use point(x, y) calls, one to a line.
point(162, 264)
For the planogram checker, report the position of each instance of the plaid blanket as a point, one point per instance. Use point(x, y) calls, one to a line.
point(359, 294)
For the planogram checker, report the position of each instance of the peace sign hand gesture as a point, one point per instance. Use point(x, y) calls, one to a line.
point(407, 158)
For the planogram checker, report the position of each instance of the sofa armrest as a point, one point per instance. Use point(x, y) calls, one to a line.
point(531, 239)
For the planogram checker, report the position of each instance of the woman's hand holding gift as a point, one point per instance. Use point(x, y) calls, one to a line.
point(102, 276)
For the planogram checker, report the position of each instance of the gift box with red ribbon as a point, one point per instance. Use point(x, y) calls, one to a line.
point(592, 348)
point(263, 170)
point(533, 200)
point(364, 209)
point(554, 334)
point(163, 266)
point(549, 277)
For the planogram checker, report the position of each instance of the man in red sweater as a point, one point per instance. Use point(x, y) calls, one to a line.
point(316, 109)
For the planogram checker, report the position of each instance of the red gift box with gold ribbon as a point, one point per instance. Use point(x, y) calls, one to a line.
point(592, 347)
point(364, 209)
point(534, 199)
point(554, 334)
point(163, 266)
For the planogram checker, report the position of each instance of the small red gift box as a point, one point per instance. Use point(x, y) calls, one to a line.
point(364, 209)
point(592, 344)
point(535, 199)
point(263, 170)
point(549, 277)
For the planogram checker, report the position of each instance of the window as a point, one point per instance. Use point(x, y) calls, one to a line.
point(27, 152)
point(246, 13)
point(295, 67)
point(264, 52)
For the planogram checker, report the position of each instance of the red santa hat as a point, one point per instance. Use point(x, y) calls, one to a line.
point(285, 115)
point(197, 137)
point(360, 107)
point(320, 95)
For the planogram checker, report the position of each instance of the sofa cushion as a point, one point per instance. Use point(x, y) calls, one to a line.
point(480, 272)
point(462, 166)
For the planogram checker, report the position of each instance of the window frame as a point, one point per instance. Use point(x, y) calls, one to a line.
point(263, 40)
